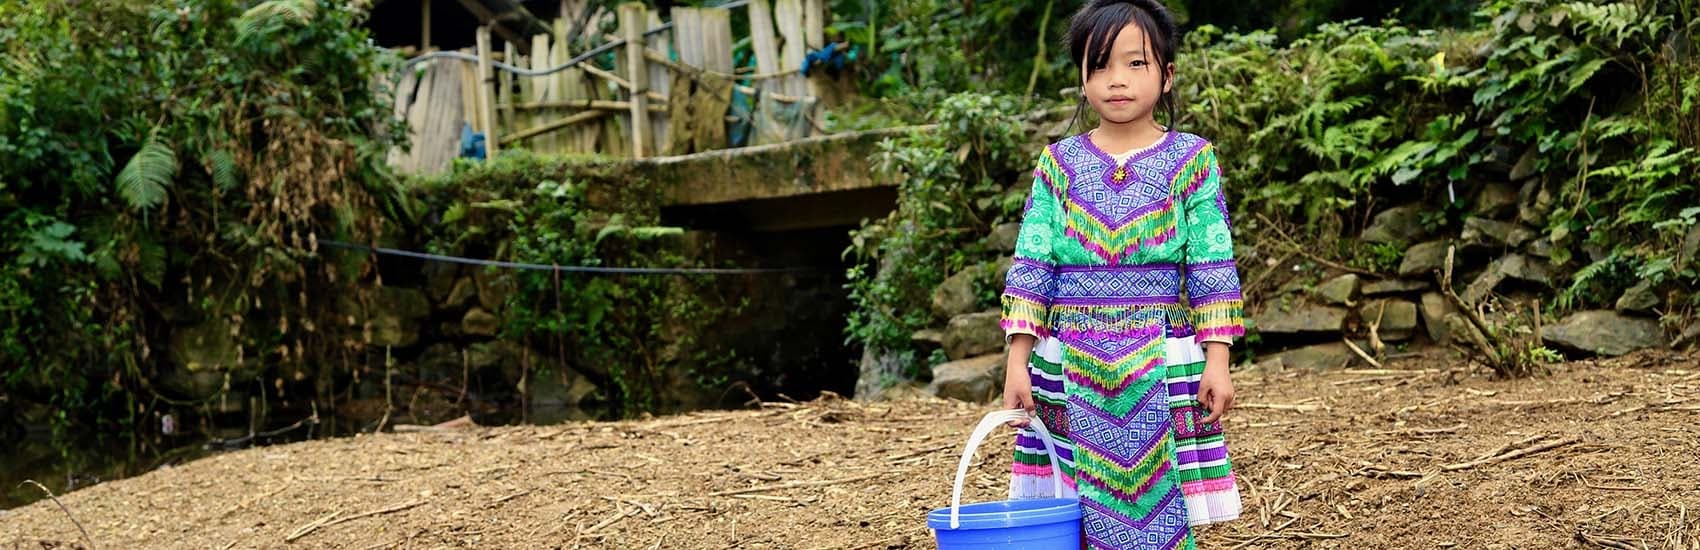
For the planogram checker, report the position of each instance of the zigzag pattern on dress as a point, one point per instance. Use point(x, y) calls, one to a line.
point(1124, 450)
point(1114, 220)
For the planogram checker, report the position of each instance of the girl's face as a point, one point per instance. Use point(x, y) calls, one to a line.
point(1127, 88)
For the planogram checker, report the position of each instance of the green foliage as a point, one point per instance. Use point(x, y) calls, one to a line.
point(924, 50)
point(1325, 129)
point(1619, 159)
point(1320, 128)
point(632, 333)
point(954, 184)
point(1310, 122)
point(144, 180)
point(199, 141)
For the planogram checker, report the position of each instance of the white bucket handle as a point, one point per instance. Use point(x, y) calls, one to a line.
point(991, 422)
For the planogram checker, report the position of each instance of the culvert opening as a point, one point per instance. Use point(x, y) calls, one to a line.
point(791, 333)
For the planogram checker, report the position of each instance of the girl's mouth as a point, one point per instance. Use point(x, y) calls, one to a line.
point(1120, 101)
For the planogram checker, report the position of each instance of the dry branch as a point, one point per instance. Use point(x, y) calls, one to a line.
point(1281, 407)
point(1360, 351)
point(793, 485)
point(1479, 337)
point(62, 508)
point(1293, 245)
point(333, 519)
point(1510, 455)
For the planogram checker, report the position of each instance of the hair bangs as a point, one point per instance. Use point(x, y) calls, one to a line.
point(1093, 33)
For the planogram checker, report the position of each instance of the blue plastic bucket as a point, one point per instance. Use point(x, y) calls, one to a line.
point(1034, 524)
point(1027, 524)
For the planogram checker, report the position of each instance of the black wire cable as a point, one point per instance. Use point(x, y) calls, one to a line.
point(563, 268)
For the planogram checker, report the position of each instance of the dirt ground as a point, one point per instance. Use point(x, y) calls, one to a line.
point(1422, 454)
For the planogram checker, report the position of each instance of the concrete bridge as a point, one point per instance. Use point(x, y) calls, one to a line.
point(783, 205)
point(814, 183)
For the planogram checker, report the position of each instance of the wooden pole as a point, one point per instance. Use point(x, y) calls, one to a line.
point(814, 24)
point(425, 25)
point(541, 89)
point(582, 116)
point(486, 85)
point(788, 14)
point(632, 22)
point(505, 90)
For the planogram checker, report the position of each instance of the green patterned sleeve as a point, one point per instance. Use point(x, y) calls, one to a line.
point(1212, 279)
point(1031, 283)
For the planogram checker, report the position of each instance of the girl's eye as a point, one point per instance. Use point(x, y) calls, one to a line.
point(1138, 63)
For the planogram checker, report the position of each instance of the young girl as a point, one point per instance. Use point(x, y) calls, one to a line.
point(1130, 377)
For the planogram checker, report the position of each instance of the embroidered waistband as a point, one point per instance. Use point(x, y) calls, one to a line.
point(1118, 285)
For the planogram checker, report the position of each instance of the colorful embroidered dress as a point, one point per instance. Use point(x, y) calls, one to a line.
point(1121, 270)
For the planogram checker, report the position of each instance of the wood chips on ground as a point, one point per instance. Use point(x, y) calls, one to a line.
point(1423, 454)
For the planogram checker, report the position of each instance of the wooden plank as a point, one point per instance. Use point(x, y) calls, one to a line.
point(766, 48)
point(614, 140)
point(486, 104)
point(633, 21)
point(440, 117)
point(584, 105)
point(569, 83)
point(814, 36)
point(468, 75)
point(608, 76)
point(556, 124)
point(542, 89)
point(762, 40)
point(505, 89)
point(660, 81)
point(714, 95)
point(788, 15)
point(814, 24)
point(430, 102)
point(717, 40)
point(687, 29)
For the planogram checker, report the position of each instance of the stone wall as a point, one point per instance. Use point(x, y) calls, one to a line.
point(1306, 311)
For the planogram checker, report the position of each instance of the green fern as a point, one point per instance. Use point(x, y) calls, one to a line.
point(222, 165)
point(1587, 279)
point(144, 180)
point(151, 255)
point(274, 13)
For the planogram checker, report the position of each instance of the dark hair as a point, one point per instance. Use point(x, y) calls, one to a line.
point(1100, 21)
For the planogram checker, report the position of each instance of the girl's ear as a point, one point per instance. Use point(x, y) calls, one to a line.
point(1169, 79)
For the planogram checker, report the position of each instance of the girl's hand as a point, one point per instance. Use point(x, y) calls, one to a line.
point(1215, 387)
point(1017, 387)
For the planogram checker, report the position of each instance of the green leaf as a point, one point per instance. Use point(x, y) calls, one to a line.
point(655, 232)
point(223, 167)
point(144, 180)
point(52, 242)
point(1580, 75)
point(152, 258)
point(454, 213)
point(273, 14)
point(1406, 175)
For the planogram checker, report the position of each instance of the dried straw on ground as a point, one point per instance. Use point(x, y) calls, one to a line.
point(1420, 454)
